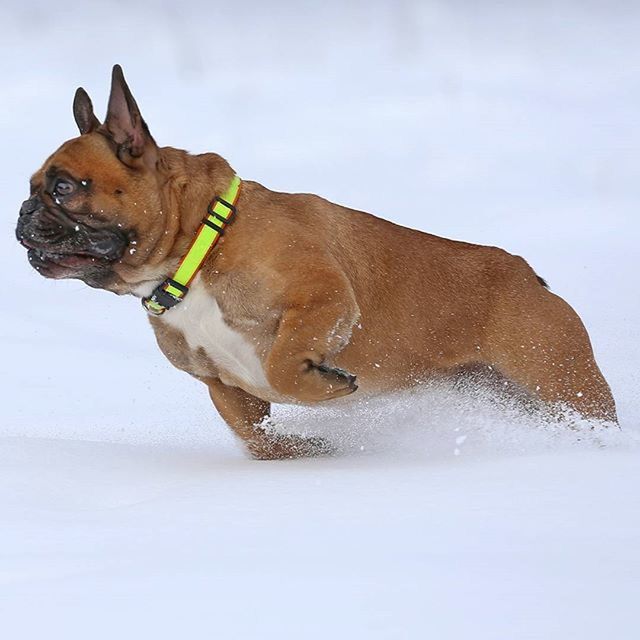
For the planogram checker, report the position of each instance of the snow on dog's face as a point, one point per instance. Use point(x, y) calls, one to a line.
point(95, 212)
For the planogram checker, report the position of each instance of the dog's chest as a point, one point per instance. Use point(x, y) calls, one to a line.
point(212, 347)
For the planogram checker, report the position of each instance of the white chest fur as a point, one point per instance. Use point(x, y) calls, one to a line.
point(200, 320)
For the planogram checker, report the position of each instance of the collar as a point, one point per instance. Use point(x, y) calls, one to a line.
point(173, 290)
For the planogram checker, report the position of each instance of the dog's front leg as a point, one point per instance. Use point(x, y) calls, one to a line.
point(312, 331)
point(246, 415)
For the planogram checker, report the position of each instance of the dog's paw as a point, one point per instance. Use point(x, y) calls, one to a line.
point(289, 447)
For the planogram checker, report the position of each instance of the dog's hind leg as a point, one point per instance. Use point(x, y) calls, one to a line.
point(544, 347)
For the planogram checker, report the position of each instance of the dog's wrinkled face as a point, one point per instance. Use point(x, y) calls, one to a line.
point(94, 212)
point(67, 233)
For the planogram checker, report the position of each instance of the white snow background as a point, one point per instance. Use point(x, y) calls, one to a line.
point(126, 508)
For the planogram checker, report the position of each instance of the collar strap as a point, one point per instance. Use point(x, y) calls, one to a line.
point(173, 290)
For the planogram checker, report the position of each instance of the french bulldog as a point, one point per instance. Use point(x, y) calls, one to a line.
point(301, 300)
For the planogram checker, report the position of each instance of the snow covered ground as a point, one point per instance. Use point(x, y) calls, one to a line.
point(127, 510)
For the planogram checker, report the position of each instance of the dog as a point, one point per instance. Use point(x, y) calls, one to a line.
point(273, 297)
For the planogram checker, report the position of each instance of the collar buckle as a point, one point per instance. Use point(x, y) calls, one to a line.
point(165, 296)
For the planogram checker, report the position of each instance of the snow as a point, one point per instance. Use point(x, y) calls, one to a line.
point(126, 508)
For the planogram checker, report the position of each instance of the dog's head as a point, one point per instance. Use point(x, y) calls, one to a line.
point(95, 211)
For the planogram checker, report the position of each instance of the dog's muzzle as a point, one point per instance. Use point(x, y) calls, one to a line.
point(51, 235)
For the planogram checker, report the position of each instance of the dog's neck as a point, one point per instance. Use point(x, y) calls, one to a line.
point(187, 185)
point(198, 180)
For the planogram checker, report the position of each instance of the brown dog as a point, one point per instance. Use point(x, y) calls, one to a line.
point(303, 295)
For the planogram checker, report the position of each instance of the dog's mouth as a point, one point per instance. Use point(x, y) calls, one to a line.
point(44, 257)
point(53, 263)
point(61, 247)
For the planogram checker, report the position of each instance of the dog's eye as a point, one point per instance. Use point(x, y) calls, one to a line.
point(63, 188)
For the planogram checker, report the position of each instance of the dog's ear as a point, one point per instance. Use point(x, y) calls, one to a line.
point(124, 124)
point(83, 112)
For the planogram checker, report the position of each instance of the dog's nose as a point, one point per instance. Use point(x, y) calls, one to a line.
point(29, 206)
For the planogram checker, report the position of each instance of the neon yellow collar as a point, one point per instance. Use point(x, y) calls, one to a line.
point(173, 290)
